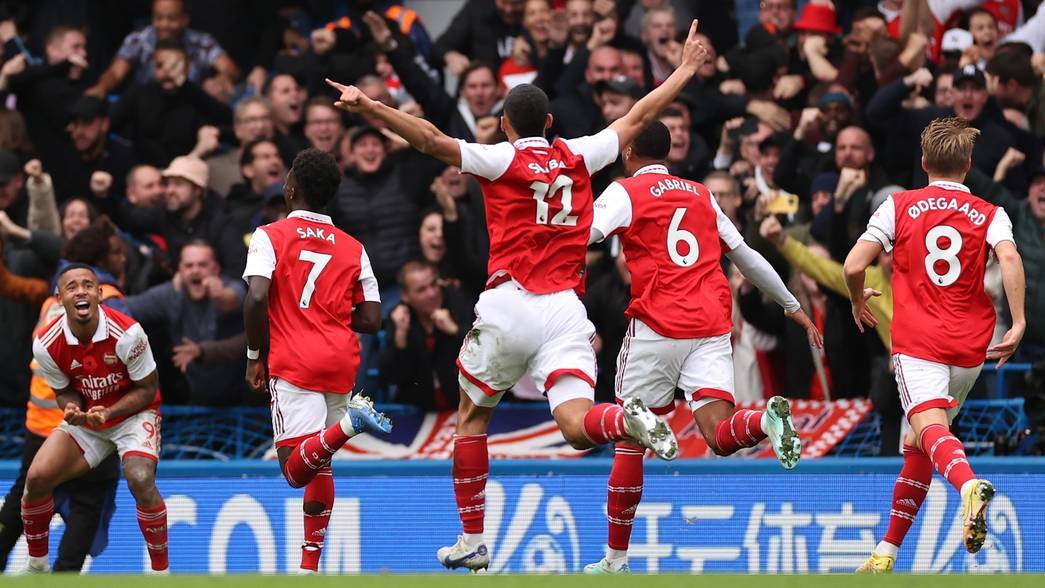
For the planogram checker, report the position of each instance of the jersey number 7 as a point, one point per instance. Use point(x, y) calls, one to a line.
point(318, 261)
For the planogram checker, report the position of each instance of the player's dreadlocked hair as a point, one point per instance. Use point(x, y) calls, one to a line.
point(316, 177)
point(91, 245)
point(653, 143)
point(527, 109)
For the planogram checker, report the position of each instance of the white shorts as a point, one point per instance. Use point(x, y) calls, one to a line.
point(298, 413)
point(517, 332)
point(650, 366)
point(925, 384)
point(138, 434)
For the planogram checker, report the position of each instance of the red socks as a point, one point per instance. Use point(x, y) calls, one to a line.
point(604, 423)
point(625, 492)
point(36, 521)
point(321, 490)
point(947, 454)
point(470, 470)
point(313, 454)
point(911, 487)
point(743, 429)
point(153, 523)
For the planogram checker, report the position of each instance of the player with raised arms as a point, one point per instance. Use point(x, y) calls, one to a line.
point(941, 237)
point(100, 365)
point(673, 236)
point(539, 211)
point(311, 284)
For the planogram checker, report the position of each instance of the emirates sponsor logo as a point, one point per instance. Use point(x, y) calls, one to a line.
point(95, 387)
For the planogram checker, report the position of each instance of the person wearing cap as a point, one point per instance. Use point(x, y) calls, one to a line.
point(46, 91)
point(380, 200)
point(93, 151)
point(188, 212)
point(616, 96)
point(576, 111)
point(972, 102)
point(810, 149)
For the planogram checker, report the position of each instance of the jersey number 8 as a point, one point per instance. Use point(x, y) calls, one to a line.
point(948, 255)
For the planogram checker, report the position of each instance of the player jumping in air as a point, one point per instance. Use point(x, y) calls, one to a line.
point(941, 237)
point(312, 284)
point(673, 235)
point(539, 211)
point(100, 365)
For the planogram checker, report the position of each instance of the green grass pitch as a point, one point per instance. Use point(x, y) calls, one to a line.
point(519, 581)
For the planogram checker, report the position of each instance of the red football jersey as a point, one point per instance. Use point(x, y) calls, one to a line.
point(674, 235)
point(103, 370)
point(538, 206)
point(940, 236)
point(319, 274)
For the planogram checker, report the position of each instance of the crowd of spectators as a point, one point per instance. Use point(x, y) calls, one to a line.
point(173, 122)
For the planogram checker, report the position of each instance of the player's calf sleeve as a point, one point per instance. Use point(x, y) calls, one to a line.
point(743, 429)
point(36, 522)
point(909, 493)
point(604, 423)
point(319, 491)
point(947, 454)
point(471, 469)
point(153, 524)
point(313, 454)
point(624, 493)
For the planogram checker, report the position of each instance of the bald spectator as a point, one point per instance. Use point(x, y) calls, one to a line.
point(578, 113)
point(252, 120)
point(170, 22)
point(144, 186)
point(810, 149)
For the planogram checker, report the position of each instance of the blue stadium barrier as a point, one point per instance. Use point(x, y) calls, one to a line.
point(724, 515)
point(1000, 388)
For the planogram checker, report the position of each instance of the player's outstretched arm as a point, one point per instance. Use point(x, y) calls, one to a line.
point(1015, 284)
point(646, 110)
point(856, 263)
point(366, 317)
point(421, 134)
point(255, 321)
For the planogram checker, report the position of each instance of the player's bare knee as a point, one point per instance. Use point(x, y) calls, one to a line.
point(38, 482)
point(574, 435)
point(141, 481)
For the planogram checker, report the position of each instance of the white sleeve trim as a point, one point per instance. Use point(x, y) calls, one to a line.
point(727, 231)
point(261, 257)
point(134, 351)
point(612, 210)
point(371, 290)
point(486, 161)
point(598, 150)
point(1000, 228)
point(53, 375)
point(881, 228)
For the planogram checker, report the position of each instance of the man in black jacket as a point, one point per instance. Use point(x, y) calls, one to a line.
point(93, 152)
point(261, 167)
point(46, 92)
point(424, 336)
point(482, 30)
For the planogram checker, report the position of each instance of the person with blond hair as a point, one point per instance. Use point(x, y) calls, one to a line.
point(943, 320)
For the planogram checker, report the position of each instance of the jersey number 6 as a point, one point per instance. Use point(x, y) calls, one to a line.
point(542, 192)
point(678, 235)
point(318, 261)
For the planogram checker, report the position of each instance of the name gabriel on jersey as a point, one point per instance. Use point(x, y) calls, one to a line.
point(315, 233)
point(927, 204)
point(671, 184)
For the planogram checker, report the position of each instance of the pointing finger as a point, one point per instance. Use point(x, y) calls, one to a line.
point(335, 85)
point(693, 29)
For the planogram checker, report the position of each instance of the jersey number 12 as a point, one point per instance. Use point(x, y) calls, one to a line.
point(542, 192)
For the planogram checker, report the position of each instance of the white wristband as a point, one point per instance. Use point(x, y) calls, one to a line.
point(253, 354)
